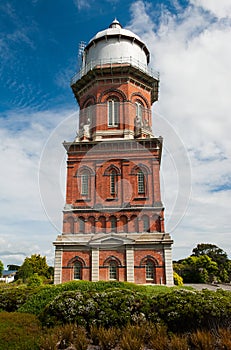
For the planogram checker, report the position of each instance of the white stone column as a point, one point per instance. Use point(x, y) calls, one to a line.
point(95, 264)
point(130, 264)
point(58, 266)
point(168, 265)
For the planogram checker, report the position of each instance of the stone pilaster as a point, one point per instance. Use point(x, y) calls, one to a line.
point(168, 265)
point(130, 264)
point(58, 266)
point(95, 264)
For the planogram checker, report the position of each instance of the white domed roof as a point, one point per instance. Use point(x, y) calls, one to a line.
point(115, 28)
point(114, 44)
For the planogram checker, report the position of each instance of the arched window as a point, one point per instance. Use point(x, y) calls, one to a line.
point(140, 181)
point(150, 270)
point(139, 110)
point(123, 223)
point(113, 182)
point(102, 221)
point(113, 270)
point(113, 222)
point(91, 224)
point(81, 225)
point(84, 184)
point(77, 270)
point(70, 221)
point(113, 112)
point(134, 221)
point(146, 224)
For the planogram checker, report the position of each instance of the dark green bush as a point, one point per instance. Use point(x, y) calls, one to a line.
point(183, 310)
point(112, 307)
point(46, 294)
point(11, 299)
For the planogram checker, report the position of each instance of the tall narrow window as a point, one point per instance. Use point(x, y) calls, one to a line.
point(113, 112)
point(81, 225)
point(77, 271)
point(113, 270)
point(102, 226)
point(149, 270)
point(146, 225)
point(113, 182)
point(113, 223)
point(140, 175)
point(139, 110)
point(84, 184)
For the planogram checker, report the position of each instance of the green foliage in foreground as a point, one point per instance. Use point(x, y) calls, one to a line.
point(36, 302)
point(20, 331)
point(109, 304)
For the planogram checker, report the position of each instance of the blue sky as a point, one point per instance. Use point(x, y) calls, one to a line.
point(189, 43)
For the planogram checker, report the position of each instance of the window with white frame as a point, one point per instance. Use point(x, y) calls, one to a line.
point(139, 110)
point(113, 182)
point(113, 270)
point(149, 270)
point(141, 178)
point(146, 224)
point(113, 112)
point(84, 184)
point(77, 270)
point(81, 225)
point(113, 222)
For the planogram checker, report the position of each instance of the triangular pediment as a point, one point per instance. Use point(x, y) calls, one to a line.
point(110, 240)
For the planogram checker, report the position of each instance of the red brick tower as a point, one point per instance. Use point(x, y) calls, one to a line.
point(113, 220)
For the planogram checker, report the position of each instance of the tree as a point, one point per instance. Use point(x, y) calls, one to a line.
point(1, 267)
point(39, 265)
point(12, 267)
point(215, 253)
point(25, 271)
point(198, 269)
point(218, 255)
point(36, 264)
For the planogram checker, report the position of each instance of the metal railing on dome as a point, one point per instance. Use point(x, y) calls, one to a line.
point(112, 62)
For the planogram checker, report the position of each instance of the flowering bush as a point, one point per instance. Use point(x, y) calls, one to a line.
point(113, 307)
point(184, 310)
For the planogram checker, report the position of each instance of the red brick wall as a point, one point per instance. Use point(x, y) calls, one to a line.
point(120, 256)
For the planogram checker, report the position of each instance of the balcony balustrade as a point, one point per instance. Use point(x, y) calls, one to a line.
point(114, 62)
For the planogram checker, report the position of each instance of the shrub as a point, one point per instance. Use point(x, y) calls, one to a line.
point(178, 280)
point(202, 340)
point(177, 342)
point(63, 337)
point(113, 307)
point(130, 342)
point(224, 339)
point(108, 338)
point(184, 311)
point(35, 280)
point(11, 299)
point(36, 302)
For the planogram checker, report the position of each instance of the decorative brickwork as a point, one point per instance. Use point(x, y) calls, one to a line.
point(113, 220)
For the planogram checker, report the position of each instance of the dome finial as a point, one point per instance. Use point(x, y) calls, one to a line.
point(115, 24)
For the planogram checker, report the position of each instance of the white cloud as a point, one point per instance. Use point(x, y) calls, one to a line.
point(192, 52)
point(221, 8)
point(23, 221)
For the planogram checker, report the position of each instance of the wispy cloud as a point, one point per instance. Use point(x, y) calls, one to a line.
point(24, 220)
point(220, 9)
point(190, 50)
point(83, 4)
